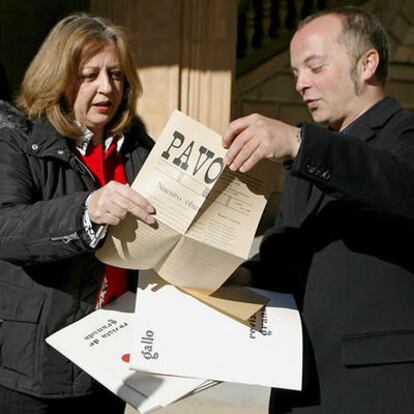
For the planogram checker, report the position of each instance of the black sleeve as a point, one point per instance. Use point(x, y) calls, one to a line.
point(278, 264)
point(379, 179)
point(35, 231)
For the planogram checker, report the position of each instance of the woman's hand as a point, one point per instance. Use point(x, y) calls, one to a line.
point(111, 203)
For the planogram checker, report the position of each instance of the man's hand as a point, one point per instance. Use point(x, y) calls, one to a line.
point(111, 203)
point(255, 137)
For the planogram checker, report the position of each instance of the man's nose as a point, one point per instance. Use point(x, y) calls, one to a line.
point(302, 83)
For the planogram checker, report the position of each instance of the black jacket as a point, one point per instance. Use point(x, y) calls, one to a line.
point(342, 245)
point(49, 276)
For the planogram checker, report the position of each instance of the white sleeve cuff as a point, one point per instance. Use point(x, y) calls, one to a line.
point(94, 232)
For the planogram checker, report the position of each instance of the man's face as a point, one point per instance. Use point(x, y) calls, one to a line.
point(322, 68)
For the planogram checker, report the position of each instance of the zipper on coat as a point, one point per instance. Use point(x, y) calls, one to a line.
point(66, 239)
point(84, 167)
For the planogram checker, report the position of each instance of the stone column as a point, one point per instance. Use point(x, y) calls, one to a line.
point(185, 51)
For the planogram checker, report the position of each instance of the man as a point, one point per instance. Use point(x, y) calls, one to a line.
point(341, 239)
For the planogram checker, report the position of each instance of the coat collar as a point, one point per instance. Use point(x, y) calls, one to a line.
point(40, 138)
point(365, 127)
point(46, 141)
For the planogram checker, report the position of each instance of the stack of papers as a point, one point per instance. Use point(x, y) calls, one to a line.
point(100, 345)
point(175, 345)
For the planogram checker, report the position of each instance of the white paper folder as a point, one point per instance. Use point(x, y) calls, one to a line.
point(176, 334)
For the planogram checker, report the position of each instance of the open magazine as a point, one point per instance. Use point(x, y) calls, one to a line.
point(100, 345)
point(206, 214)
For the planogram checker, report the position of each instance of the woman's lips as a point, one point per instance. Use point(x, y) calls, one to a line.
point(103, 106)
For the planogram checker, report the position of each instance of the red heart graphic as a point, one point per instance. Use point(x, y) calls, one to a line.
point(126, 357)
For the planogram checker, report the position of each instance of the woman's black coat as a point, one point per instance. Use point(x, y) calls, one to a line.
point(49, 276)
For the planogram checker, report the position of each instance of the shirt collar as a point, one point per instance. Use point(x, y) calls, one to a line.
point(83, 142)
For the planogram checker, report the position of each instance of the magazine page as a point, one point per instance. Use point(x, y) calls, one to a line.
point(176, 178)
point(196, 199)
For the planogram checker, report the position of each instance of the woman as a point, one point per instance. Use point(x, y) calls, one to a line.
point(65, 162)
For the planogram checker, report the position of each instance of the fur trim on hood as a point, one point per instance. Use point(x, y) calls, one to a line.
point(11, 117)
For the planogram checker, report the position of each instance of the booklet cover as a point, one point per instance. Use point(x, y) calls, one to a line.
point(100, 345)
point(176, 334)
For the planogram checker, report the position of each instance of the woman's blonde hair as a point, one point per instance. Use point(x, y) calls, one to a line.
point(72, 42)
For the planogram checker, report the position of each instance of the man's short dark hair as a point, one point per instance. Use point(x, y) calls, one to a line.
point(361, 31)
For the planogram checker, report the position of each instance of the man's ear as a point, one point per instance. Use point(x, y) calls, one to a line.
point(369, 61)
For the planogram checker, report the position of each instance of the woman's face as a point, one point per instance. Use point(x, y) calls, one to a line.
point(97, 93)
